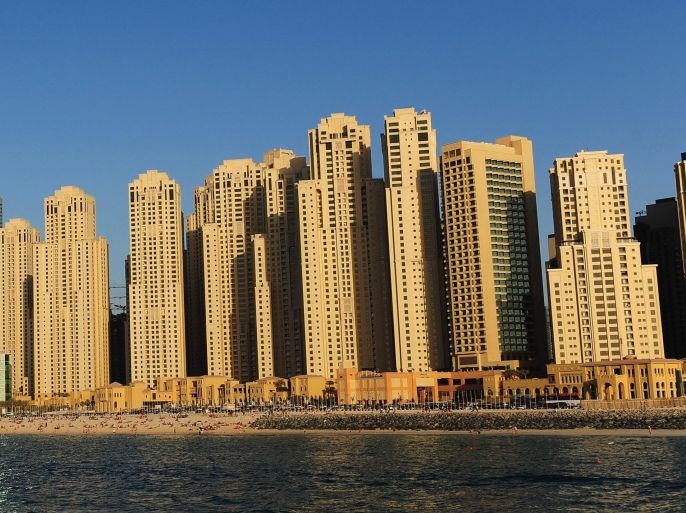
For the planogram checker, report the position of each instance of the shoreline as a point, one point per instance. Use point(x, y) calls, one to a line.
point(483, 421)
point(663, 423)
point(573, 432)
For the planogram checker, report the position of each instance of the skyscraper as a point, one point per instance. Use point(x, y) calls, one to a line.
point(492, 254)
point(156, 287)
point(680, 178)
point(604, 303)
point(344, 251)
point(17, 240)
point(71, 298)
point(658, 232)
point(416, 270)
point(1, 218)
point(244, 267)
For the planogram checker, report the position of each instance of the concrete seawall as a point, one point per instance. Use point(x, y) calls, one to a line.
point(479, 420)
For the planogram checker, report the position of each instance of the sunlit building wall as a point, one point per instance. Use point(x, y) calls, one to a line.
point(71, 298)
point(344, 251)
point(604, 303)
point(492, 254)
point(155, 285)
point(244, 255)
point(416, 270)
point(17, 240)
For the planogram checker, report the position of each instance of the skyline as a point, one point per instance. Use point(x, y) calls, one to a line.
point(342, 256)
point(162, 92)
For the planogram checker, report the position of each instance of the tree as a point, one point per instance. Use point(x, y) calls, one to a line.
point(679, 384)
point(514, 374)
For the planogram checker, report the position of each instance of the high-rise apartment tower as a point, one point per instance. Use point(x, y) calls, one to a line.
point(344, 251)
point(244, 268)
point(156, 287)
point(17, 240)
point(492, 254)
point(71, 298)
point(604, 303)
point(414, 242)
point(680, 178)
point(657, 229)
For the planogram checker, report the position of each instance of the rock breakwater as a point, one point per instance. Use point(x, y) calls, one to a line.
point(483, 420)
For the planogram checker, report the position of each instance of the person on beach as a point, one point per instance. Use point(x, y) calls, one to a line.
point(650, 429)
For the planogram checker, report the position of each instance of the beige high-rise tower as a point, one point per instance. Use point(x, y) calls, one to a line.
point(156, 287)
point(680, 176)
point(492, 254)
point(71, 298)
point(17, 240)
point(343, 241)
point(244, 264)
point(409, 150)
point(604, 304)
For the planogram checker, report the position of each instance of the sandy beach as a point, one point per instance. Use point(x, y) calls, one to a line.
point(152, 424)
point(240, 424)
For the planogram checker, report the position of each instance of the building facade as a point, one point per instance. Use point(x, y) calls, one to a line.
point(71, 298)
point(17, 240)
point(658, 232)
point(344, 251)
point(414, 241)
point(492, 254)
point(604, 303)
point(6, 386)
point(155, 279)
point(244, 266)
point(680, 178)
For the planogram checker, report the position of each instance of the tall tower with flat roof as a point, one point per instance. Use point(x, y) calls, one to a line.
point(416, 270)
point(492, 254)
point(604, 302)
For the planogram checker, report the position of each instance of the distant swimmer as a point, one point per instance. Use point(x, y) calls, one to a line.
point(598, 461)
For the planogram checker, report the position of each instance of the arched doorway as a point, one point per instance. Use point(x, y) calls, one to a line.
point(608, 392)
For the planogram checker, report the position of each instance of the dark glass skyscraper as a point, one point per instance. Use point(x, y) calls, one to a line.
point(658, 232)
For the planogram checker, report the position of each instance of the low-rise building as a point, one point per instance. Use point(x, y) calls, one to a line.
point(118, 398)
point(308, 387)
point(628, 378)
point(366, 387)
point(659, 378)
point(529, 387)
point(202, 391)
point(270, 390)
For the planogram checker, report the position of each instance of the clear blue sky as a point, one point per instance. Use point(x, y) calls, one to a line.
point(93, 93)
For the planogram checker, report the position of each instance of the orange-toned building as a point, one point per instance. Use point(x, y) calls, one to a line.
point(356, 387)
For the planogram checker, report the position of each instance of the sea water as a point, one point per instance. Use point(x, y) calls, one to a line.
point(344, 472)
